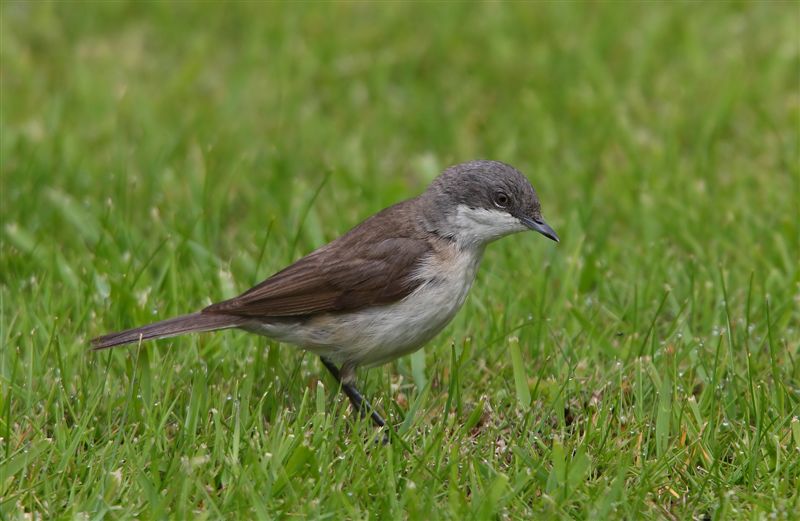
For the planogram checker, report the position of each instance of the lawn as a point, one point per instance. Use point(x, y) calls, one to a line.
point(156, 157)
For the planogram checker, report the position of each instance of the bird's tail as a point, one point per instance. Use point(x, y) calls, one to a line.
point(195, 322)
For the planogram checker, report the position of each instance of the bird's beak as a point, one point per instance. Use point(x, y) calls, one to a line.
point(540, 226)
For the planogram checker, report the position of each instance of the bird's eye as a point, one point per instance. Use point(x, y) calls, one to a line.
point(501, 199)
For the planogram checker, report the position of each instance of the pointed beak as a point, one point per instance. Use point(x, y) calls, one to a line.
point(540, 226)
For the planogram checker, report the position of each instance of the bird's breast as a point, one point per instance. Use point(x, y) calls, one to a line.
point(388, 332)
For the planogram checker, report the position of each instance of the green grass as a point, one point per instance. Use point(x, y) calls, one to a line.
point(158, 157)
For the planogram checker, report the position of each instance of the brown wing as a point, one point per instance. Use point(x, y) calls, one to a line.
point(344, 276)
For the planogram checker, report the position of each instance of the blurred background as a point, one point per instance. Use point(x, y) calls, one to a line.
point(232, 114)
point(158, 156)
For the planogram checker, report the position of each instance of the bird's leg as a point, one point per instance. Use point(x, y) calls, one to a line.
point(348, 387)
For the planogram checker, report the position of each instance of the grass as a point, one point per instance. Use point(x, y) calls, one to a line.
point(157, 157)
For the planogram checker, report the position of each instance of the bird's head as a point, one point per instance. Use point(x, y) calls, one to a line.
point(477, 202)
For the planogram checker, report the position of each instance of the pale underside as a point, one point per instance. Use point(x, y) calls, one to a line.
point(376, 335)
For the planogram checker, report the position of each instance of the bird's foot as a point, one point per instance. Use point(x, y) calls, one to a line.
point(360, 404)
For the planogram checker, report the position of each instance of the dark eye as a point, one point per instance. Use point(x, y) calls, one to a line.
point(501, 199)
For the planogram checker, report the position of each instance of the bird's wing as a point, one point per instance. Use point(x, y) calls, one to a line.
point(340, 277)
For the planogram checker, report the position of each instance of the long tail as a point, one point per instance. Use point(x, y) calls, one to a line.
point(195, 322)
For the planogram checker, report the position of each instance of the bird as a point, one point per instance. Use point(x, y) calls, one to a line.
point(383, 289)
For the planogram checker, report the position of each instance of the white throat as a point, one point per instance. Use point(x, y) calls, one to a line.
point(476, 227)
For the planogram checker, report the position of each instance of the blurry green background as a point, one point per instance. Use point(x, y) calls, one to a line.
point(159, 156)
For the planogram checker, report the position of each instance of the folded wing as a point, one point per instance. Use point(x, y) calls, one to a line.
point(344, 276)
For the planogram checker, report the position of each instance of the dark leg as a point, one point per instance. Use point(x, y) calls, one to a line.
point(359, 403)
